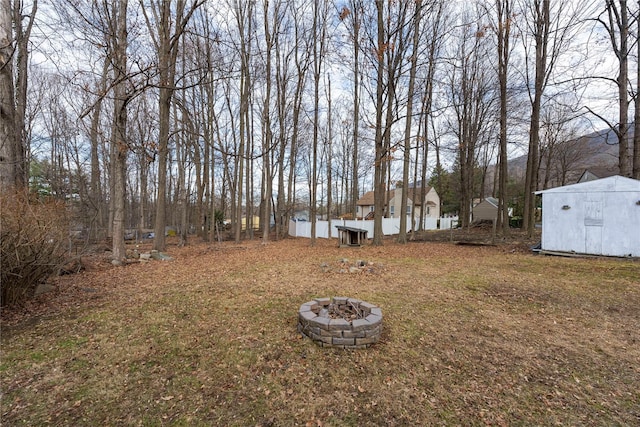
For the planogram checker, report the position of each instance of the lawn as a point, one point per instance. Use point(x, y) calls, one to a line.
point(473, 335)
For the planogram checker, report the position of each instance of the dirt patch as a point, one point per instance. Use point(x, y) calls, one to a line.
point(482, 234)
point(520, 295)
point(358, 266)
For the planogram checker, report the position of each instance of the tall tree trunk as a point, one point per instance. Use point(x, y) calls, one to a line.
point(504, 30)
point(302, 65)
point(380, 153)
point(282, 104)
point(542, 20)
point(268, 135)
point(319, 36)
point(159, 241)
point(356, 108)
point(329, 155)
point(207, 220)
point(119, 133)
point(96, 195)
point(402, 236)
point(635, 173)
point(144, 187)
point(181, 190)
point(171, 22)
point(22, 35)
point(244, 16)
point(623, 96)
point(9, 135)
point(167, 73)
point(249, 168)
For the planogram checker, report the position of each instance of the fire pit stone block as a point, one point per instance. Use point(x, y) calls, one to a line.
point(361, 332)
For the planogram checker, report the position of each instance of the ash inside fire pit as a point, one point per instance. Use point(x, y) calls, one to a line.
point(349, 311)
point(340, 322)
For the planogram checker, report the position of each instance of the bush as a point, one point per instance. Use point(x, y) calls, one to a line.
point(33, 235)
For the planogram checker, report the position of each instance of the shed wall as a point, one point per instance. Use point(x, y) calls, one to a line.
point(598, 223)
point(485, 211)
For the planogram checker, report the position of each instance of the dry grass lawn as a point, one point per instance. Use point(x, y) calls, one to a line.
point(473, 335)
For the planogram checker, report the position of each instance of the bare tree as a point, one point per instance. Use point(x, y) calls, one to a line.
point(504, 19)
point(14, 53)
point(417, 15)
point(379, 172)
point(353, 15)
point(119, 142)
point(389, 51)
point(550, 29)
point(472, 93)
point(302, 59)
point(288, 97)
point(328, 150)
point(267, 142)
point(319, 34)
point(166, 23)
point(540, 29)
point(244, 17)
point(617, 26)
point(141, 137)
point(22, 37)
point(635, 173)
point(437, 38)
point(95, 139)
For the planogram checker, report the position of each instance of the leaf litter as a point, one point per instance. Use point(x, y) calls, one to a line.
point(474, 335)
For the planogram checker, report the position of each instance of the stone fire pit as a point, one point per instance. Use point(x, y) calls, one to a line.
point(340, 322)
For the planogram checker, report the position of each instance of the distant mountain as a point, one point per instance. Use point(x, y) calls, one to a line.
point(596, 152)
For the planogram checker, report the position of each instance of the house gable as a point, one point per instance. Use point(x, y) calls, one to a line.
point(431, 205)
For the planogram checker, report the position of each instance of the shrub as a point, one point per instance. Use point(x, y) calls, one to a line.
point(219, 218)
point(33, 234)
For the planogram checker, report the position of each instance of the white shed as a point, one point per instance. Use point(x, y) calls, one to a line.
point(600, 217)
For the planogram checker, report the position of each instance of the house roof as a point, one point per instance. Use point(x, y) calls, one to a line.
point(596, 172)
point(366, 199)
point(413, 195)
point(490, 200)
point(615, 183)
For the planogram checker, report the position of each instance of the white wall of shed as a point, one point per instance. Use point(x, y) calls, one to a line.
point(564, 230)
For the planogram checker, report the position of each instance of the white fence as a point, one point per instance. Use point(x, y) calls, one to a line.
point(389, 226)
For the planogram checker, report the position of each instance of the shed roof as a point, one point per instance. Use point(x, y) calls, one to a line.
point(354, 229)
point(615, 183)
point(490, 200)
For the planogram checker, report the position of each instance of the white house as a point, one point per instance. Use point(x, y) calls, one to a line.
point(430, 207)
point(600, 217)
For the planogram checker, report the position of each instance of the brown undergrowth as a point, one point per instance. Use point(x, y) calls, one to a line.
point(473, 335)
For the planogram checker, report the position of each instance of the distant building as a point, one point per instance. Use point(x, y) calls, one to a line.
point(430, 206)
point(594, 173)
point(486, 210)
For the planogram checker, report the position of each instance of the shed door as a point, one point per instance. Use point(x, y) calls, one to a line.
point(593, 223)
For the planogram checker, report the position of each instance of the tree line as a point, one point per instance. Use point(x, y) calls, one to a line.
point(142, 114)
